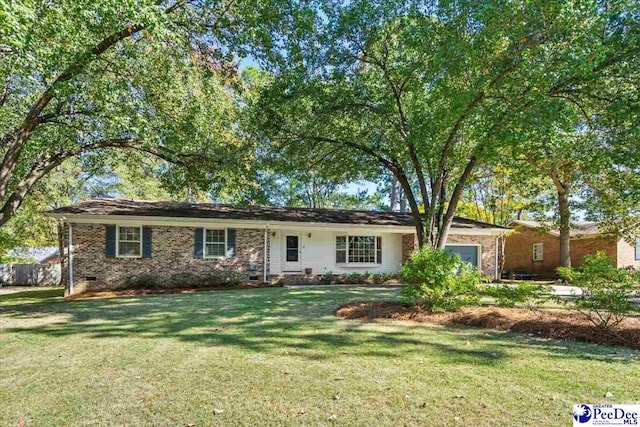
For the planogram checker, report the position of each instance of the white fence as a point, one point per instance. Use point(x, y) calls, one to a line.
point(30, 274)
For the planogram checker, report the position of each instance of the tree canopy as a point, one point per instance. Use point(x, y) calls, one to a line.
point(440, 102)
point(429, 90)
point(156, 77)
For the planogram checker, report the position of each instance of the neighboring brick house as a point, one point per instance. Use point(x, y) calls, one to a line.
point(112, 239)
point(534, 248)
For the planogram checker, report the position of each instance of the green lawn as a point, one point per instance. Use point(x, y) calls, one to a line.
point(279, 357)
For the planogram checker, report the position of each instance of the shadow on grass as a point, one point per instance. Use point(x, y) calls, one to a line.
point(32, 295)
point(297, 322)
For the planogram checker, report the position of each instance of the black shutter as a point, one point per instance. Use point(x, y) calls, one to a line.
point(198, 243)
point(378, 250)
point(110, 244)
point(146, 242)
point(231, 243)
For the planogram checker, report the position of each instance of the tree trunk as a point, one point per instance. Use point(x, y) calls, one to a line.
point(393, 196)
point(62, 256)
point(443, 233)
point(402, 201)
point(565, 227)
point(501, 257)
point(563, 183)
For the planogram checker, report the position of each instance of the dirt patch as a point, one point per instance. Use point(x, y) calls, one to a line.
point(134, 292)
point(549, 324)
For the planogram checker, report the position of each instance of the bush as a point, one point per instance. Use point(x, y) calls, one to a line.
point(216, 278)
point(354, 278)
point(528, 294)
point(226, 278)
point(184, 280)
point(439, 281)
point(328, 278)
point(140, 281)
point(606, 290)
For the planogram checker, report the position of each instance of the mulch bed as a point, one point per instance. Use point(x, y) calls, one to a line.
point(135, 292)
point(549, 324)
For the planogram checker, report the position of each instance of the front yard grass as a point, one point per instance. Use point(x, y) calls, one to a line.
point(279, 357)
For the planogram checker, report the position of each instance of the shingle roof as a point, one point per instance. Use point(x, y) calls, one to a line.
point(258, 213)
point(578, 229)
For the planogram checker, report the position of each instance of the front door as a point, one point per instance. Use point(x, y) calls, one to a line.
point(291, 255)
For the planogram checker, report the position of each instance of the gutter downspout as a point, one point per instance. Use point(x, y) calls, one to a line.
point(264, 255)
point(70, 258)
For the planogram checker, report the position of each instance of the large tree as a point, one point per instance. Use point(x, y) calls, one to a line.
point(426, 89)
point(612, 196)
point(584, 130)
point(153, 76)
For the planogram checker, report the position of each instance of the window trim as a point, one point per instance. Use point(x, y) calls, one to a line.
point(118, 227)
point(357, 264)
point(204, 244)
point(533, 254)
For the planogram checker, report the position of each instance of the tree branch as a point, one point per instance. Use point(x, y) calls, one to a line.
point(403, 128)
point(24, 132)
point(48, 163)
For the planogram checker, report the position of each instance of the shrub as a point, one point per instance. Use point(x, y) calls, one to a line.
point(439, 281)
point(186, 280)
point(221, 278)
point(354, 278)
point(140, 281)
point(328, 278)
point(528, 294)
point(378, 278)
point(391, 277)
point(381, 278)
point(606, 290)
point(226, 278)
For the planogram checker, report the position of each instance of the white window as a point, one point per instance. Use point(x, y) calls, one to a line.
point(538, 251)
point(215, 243)
point(637, 248)
point(358, 249)
point(129, 242)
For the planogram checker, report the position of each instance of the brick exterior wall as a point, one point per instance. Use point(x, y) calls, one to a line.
point(518, 251)
point(487, 249)
point(172, 252)
point(582, 247)
point(409, 244)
